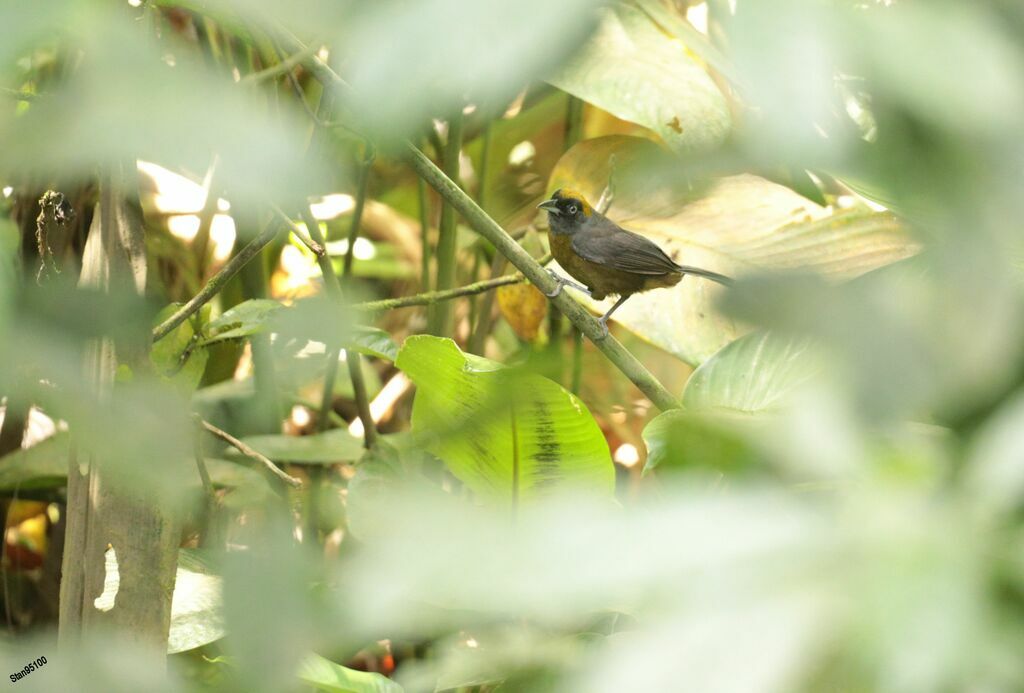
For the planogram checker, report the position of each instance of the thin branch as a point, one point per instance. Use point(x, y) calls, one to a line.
point(357, 212)
point(250, 453)
point(429, 298)
point(217, 282)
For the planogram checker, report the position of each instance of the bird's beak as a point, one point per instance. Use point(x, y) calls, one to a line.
point(550, 206)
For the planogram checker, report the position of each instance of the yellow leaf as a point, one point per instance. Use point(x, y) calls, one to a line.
point(524, 307)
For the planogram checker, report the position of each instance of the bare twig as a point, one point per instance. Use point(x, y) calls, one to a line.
point(285, 66)
point(250, 453)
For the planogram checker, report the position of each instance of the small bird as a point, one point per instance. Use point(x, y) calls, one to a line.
point(607, 258)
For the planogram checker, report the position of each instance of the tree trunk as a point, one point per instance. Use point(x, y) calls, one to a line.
point(101, 513)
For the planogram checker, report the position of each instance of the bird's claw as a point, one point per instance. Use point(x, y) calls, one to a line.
point(561, 282)
point(604, 329)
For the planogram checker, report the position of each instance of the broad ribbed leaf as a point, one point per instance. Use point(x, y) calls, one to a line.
point(508, 435)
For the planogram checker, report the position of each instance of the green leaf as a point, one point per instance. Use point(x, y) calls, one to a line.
point(507, 435)
point(334, 678)
point(756, 373)
point(372, 341)
point(633, 70)
point(168, 355)
point(42, 466)
point(244, 320)
point(739, 225)
point(332, 446)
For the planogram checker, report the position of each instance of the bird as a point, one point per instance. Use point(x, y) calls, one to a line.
point(607, 258)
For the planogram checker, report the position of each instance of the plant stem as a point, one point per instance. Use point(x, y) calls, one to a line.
point(314, 247)
point(352, 359)
point(421, 192)
point(217, 281)
point(357, 213)
point(439, 319)
point(577, 360)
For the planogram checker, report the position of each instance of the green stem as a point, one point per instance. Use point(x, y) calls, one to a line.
point(357, 212)
point(439, 319)
point(217, 281)
point(332, 284)
point(421, 192)
point(286, 65)
point(577, 360)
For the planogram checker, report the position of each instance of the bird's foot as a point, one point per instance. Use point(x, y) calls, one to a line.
point(562, 282)
point(603, 322)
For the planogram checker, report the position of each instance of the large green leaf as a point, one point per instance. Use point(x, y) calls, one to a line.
point(508, 435)
point(325, 675)
point(739, 225)
point(372, 341)
point(704, 441)
point(332, 446)
point(633, 70)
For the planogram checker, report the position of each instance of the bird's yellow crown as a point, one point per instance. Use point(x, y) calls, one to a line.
point(568, 194)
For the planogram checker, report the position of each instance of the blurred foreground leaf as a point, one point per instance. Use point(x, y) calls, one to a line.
point(336, 445)
point(327, 676)
point(509, 436)
point(244, 320)
point(633, 70)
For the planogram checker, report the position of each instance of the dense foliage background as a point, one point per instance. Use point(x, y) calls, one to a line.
point(296, 363)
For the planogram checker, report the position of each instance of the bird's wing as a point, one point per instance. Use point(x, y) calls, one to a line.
point(605, 243)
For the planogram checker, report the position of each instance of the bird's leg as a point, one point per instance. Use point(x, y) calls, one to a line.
point(562, 281)
point(604, 318)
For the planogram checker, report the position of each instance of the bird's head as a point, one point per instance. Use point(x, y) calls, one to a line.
point(567, 211)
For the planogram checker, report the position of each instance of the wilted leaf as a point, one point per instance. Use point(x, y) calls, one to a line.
point(523, 306)
point(741, 224)
point(325, 675)
point(507, 435)
point(633, 70)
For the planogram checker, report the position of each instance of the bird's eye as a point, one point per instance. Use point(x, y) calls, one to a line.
point(573, 209)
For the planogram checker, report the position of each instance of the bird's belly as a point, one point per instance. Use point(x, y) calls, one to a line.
point(600, 279)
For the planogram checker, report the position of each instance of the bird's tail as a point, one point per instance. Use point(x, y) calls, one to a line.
point(707, 274)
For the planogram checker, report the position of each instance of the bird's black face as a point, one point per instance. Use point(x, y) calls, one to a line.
point(567, 212)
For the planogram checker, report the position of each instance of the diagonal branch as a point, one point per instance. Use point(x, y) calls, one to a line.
point(217, 282)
